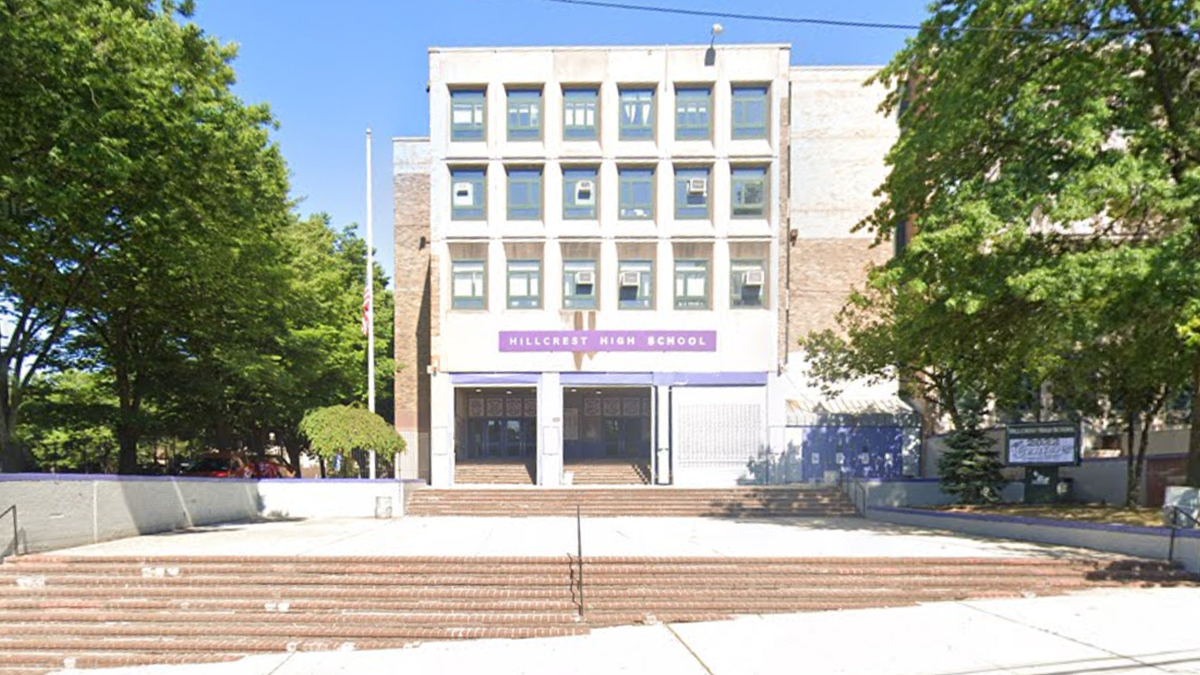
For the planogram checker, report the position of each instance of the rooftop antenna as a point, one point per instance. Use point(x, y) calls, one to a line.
point(710, 56)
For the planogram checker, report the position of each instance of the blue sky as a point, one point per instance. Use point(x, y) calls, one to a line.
point(330, 69)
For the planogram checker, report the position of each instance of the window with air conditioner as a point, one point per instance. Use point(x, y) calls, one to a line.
point(579, 284)
point(747, 281)
point(635, 281)
point(467, 194)
point(579, 193)
point(691, 193)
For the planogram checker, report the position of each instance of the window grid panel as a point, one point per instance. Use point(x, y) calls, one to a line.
point(636, 199)
point(579, 203)
point(524, 284)
point(691, 284)
point(468, 194)
point(749, 112)
point(468, 284)
point(742, 295)
point(749, 187)
point(691, 199)
point(467, 115)
point(577, 295)
point(693, 113)
point(637, 114)
point(524, 115)
point(524, 194)
point(640, 296)
point(580, 114)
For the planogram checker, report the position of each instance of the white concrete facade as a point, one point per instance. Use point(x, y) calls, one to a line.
point(467, 350)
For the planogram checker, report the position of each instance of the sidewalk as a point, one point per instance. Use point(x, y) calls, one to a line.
point(1119, 632)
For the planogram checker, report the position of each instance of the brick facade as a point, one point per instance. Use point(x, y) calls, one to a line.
point(413, 316)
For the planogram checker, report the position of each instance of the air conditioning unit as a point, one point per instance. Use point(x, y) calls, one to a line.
point(631, 279)
point(697, 186)
point(464, 194)
point(585, 193)
point(585, 278)
point(753, 278)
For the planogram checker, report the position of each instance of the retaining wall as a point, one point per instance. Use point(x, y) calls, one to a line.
point(60, 511)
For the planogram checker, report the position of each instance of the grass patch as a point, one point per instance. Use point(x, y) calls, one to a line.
point(1091, 513)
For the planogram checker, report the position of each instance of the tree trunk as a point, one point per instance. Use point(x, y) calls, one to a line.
point(1193, 458)
point(1133, 497)
point(128, 428)
point(1131, 471)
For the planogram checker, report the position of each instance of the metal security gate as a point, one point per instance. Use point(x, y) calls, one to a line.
point(716, 432)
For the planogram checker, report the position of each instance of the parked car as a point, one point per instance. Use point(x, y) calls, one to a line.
point(271, 466)
point(222, 465)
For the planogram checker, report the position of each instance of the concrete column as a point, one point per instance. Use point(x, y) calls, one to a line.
point(441, 441)
point(662, 435)
point(550, 444)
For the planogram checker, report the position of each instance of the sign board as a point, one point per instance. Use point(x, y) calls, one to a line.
point(608, 341)
point(1042, 444)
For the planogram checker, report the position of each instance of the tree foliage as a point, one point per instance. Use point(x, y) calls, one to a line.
point(342, 428)
point(147, 245)
point(1048, 158)
point(970, 468)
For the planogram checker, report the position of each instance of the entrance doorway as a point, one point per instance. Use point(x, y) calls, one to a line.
point(607, 435)
point(496, 435)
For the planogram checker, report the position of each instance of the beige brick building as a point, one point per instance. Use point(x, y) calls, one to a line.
point(604, 255)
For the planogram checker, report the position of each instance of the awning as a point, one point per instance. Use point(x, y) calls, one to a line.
point(861, 402)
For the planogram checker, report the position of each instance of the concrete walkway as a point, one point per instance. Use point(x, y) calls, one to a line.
point(474, 536)
point(1118, 632)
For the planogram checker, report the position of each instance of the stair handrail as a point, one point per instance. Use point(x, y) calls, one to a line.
point(1173, 513)
point(16, 537)
point(845, 479)
point(579, 554)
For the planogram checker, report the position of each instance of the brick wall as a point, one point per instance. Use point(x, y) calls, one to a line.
point(823, 273)
point(413, 305)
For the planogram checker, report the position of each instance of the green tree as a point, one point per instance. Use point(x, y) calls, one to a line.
point(342, 429)
point(66, 422)
point(970, 469)
point(1063, 137)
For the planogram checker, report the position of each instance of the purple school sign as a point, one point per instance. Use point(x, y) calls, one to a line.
point(608, 341)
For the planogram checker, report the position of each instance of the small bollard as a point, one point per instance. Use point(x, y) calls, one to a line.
point(383, 508)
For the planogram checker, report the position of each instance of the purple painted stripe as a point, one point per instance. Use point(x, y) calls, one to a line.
point(710, 379)
point(608, 340)
point(1043, 522)
point(498, 379)
point(600, 379)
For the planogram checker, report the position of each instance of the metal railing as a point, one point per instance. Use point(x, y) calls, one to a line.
point(859, 495)
point(1174, 516)
point(579, 555)
point(16, 531)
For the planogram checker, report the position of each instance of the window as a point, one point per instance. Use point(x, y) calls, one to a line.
point(749, 112)
point(580, 191)
point(691, 193)
point(693, 113)
point(468, 192)
point(524, 194)
point(579, 284)
point(524, 114)
point(524, 284)
point(635, 281)
point(637, 114)
point(636, 194)
point(469, 284)
point(747, 279)
point(579, 114)
point(467, 117)
point(691, 284)
point(749, 192)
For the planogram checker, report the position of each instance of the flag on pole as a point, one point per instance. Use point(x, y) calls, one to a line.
point(368, 309)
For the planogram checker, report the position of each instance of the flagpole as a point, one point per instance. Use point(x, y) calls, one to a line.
point(369, 290)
